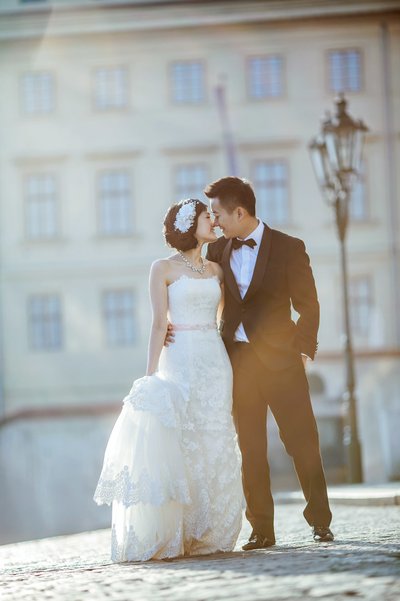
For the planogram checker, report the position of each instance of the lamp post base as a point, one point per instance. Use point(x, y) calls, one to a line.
point(354, 463)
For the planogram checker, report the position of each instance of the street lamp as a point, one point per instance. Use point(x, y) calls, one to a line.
point(336, 158)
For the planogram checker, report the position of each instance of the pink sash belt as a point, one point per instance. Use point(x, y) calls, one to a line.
point(189, 327)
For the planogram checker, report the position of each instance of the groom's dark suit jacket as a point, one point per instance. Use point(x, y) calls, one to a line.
point(282, 276)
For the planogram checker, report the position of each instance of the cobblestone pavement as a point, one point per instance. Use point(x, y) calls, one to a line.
point(364, 562)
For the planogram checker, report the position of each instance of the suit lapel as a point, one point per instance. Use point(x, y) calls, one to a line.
point(229, 277)
point(261, 263)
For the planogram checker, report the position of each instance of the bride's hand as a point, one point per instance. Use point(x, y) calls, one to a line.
point(169, 337)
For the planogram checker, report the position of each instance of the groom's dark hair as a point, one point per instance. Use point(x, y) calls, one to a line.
point(233, 192)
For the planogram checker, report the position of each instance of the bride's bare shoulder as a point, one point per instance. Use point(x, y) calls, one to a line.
point(163, 266)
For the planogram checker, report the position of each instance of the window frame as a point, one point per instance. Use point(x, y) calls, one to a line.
point(268, 98)
point(186, 103)
point(56, 215)
point(178, 166)
point(53, 94)
point(110, 108)
point(362, 277)
point(367, 202)
point(60, 315)
point(135, 339)
point(342, 50)
point(277, 159)
point(129, 232)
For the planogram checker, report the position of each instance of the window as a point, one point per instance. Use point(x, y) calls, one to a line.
point(358, 208)
point(38, 95)
point(115, 203)
point(345, 71)
point(44, 315)
point(361, 304)
point(271, 182)
point(265, 77)
point(119, 316)
point(41, 207)
point(190, 181)
point(188, 82)
point(111, 88)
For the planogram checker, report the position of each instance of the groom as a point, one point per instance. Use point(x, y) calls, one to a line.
point(266, 272)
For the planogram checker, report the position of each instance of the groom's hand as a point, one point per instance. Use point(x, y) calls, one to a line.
point(169, 337)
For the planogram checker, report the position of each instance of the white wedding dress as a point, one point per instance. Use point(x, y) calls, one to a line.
point(172, 465)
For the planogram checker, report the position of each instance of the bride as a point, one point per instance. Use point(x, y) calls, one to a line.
point(172, 466)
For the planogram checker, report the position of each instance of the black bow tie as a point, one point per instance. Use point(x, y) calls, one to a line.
point(236, 243)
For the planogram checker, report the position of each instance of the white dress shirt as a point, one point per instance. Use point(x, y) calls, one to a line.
point(243, 261)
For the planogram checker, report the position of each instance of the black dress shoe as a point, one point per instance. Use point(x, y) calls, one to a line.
point(258, 541)
point(322, 534)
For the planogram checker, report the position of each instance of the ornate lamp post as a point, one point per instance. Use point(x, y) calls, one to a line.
point(336, 158)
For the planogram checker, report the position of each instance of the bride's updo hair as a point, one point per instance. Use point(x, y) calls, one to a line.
point(173, 236)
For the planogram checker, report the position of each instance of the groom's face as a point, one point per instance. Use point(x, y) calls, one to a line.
point(229, 223)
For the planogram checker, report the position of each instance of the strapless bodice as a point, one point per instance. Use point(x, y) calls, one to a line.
point(194, 301)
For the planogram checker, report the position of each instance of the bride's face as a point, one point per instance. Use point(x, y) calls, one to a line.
point(205, 228)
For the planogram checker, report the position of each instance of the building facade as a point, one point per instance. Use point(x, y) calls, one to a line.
point(109, 112)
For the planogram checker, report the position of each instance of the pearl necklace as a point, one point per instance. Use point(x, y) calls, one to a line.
point(189, 264)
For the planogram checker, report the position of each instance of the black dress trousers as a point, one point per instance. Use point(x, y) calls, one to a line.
point(286, 393)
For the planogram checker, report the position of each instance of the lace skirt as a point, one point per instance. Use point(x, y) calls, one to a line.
point(173, 490)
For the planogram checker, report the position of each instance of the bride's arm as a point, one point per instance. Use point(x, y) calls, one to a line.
point(217, 269)
point(221, 303)
point(159, 304)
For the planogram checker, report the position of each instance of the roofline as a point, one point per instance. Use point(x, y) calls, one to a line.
point(146, 15)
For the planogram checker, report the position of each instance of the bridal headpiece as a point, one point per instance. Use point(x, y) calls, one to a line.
point(185, 216)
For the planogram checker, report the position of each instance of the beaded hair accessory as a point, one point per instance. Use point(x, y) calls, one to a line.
point(185, 216)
